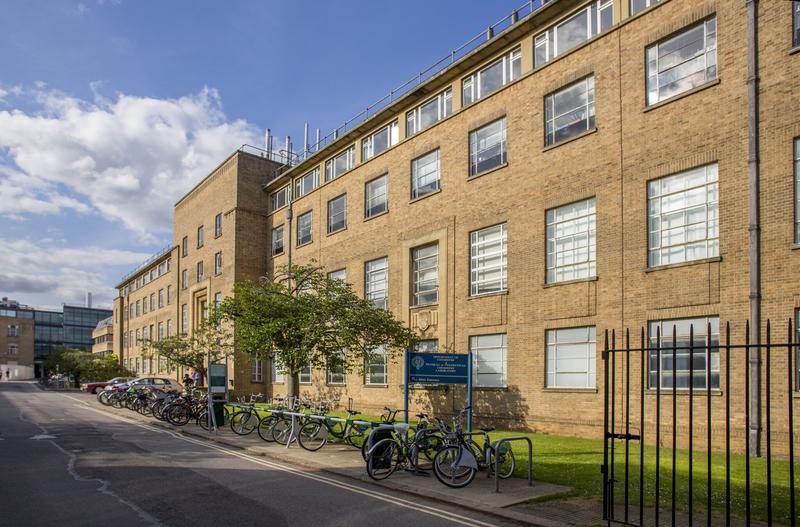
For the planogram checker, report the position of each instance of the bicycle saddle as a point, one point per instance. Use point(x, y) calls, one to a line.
point(353, 412)
point(401, 428)
point(486, 428)
point(422, 416)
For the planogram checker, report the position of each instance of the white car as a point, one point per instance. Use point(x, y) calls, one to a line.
point(162, 383)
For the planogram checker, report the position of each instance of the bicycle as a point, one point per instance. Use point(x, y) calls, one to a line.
point(401, 449)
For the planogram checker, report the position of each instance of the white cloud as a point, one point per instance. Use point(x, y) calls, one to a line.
point(128, 158)
point(48, 269)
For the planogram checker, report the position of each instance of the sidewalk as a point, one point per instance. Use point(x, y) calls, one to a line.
point(345, 461)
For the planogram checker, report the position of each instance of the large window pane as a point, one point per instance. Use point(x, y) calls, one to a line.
point(306, 183)
point(683, 221)
point(487, 147)
point(796, 23)
point(488, 260)
point(277, 240)
point(492, 77)
point(376, 197)
point(489, 360)
point(425, 174)
point(376, 282)
point(425, 277)
point(376, 370)
point(429, 112)
point(571, 242)
point(584, 24)
point(337, 213)
point(569, 111)
point(640, 5)
point(340, 164)
point(379, 141)
point(277, 199)
point(696, 359)
point(571, 358)
point(304, 228)
point(797, 190)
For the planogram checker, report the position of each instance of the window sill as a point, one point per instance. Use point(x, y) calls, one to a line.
point(337, 231)
point(256, 382)
point(556, 389)
point(794, 50)
point(217, 236)
point(570, 139)
point(684, 264)
point(429, 194)
point(486, 172)
point(796, 247)
point(277, 254)
point(303, 244)
point(491, 388)
point(378, 215)
point(684, 392)
point(487, 295)
point(426, 306)
point(366, 385)
point(680, 96)
point(336, 384)
point(567, 282)
point(217, 274)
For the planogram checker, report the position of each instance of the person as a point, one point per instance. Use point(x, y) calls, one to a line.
point(187, 381)
point(196, 378)
point(8, 375)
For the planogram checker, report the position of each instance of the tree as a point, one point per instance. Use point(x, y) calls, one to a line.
point(299, 318)
point(82, 366)
point(213, 337)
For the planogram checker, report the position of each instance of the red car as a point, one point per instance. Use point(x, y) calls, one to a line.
point(95, 387)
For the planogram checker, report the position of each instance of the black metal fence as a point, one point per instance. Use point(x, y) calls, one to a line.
point(681, 414)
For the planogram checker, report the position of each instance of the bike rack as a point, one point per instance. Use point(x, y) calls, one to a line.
point(296, 429)
point(497, 459)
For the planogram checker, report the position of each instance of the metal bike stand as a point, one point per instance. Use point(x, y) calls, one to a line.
point(497, 459)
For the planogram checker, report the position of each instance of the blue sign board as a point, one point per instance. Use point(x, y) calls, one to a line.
point(438, 368)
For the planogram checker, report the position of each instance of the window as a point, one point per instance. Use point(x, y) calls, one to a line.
point(277, 240)
point(340, 164)
point(138, 311)
point(304, 234)
point(580, 27)
point(160, 331)
point(277, 374)
point(376, 196)
point(376, 372)
point(569, 111)
point(682, 352)
point(336, 370)
point(218, 225)
point(217, 300)
point(184, 281)
point(137, 364)
point(257, 370)
point(305, 375)
point(184, 318)
point(641, 5)
point(169, 294)
point(427, 346)
point(160, 298)
point(488, 260)
point(185, 246)
point(796, 23)
point(152, 301)
point(425, 174)
point(488, 360)
point(138, 338)
point(376, 282)
point(279, 198)
point(429, 113)
point(571, 242)
point(144, 306)
point(682, 62)
point(341, 274)
point(377, 142)
point(337, 214)
point(218, 263)
point(12, 349)
point(425, 277)
point(571, 357)
point(491, 78)
point(199, 271)
point(169, 327)
point(306, 183)
point(797, 351)
point(13, 331)
point(487, 147)
point(200, 236)
point(797, 190)
point(682, 216)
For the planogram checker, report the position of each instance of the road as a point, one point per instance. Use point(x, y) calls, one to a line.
point(63, 463)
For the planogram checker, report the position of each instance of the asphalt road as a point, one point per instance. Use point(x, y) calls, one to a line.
point(63, 464)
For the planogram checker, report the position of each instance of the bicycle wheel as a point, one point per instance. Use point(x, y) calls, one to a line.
point(179, 415)
point(265, 428)
point(427, 446)
point(383, 459)
point(507, 461)
point(244, 422)
point(202, 420)
point(447, 470)
point(144, 409)
point(313, 436)
point(281, 431)
point(103, 397)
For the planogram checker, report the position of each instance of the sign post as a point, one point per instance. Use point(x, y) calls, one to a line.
point(439, 368)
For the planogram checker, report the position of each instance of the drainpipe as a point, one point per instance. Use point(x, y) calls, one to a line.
point(754, 426)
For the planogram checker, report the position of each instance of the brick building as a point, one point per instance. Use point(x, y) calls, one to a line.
point(103, 337)
point(16, 340)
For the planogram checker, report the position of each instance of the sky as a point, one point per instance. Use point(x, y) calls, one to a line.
point(110, 110)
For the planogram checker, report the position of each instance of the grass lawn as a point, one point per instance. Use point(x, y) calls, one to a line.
point(576, 463)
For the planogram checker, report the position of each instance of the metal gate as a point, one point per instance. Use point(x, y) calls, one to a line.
point(678, 417)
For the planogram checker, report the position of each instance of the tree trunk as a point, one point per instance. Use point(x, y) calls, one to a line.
point(292, 385)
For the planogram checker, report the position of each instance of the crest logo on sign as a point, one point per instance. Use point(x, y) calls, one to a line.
point(418, 362)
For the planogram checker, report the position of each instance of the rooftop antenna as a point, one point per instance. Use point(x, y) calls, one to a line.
point(268, 143)
point(316, 145)
point(305, 140)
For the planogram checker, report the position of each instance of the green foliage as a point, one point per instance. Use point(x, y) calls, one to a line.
point(82, 366)
point(299, 317)
point(213, 337)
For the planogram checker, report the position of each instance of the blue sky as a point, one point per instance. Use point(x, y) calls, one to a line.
point(110, 110)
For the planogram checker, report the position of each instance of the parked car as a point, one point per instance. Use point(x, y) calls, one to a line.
point(95, 387)
point(162, 383)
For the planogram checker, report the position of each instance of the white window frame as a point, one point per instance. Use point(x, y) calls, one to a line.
point(201, 239)
point(561, 343)
point(310, 216)
point(200, 271)
point(305, 375)
point(378, 358)
point(276, 239)
point(373, 196)
point(257, 370)
point(13, 348)
point(472, 85)
point(169, 327)
point(334, 219)
point(547, 40)
point(417, 165)
point(797, 186)
point(658, 198)
point(392, 131)
point(708, 54)
point(184, 285)
point(306, 183)
point(161, 298)
point(184, 318)
point(339, 274)
point(478, 146)
point(645, 4)
point(567, 228)
point(278, 376)
point(218, 225)
point(349, 156)
point(160, 330)
point(478, 260)
point(376, 282)
point(700, 332)
point(583, 113)
point(13, 330)
point(427, 346)
point(477, 348)
point(279, 198)
point(444, 107)
point(420, 266)
point(218, 263)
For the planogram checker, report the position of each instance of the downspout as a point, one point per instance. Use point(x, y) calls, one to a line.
point(754, 426)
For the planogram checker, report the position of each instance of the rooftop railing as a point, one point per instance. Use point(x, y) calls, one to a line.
point(147, 262)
